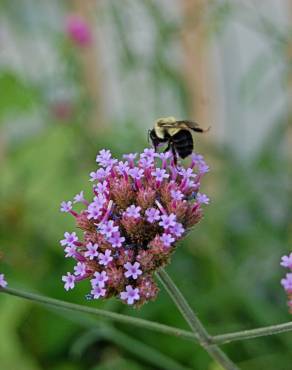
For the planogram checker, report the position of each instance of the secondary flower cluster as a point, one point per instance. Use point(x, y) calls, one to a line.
point(3, 282)
point(286, 261)
point(141, 207)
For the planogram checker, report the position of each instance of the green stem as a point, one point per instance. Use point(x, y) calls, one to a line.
point(161, 328)
point(195, 324)
point(106, 314)
point(252, 333)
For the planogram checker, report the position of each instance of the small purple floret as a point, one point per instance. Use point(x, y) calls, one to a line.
point(104, 157)
point(136, 173)
point(91, 251)
point(70, 251)
point(152, 215)
point(287, 282)
point(66, 206)
point(160, 174)
point(70, 239)
point(202, 198)
point(286, 261)
point(168, 221)
point(176, 194)
point(108, 228)
point(105, 258)
point(116, 240)
point(69, 281)
point(100, 278)
point(167, 239)
point(130, 294)
point(98, 292)
point(133, 270)
point(133, 211)
point(79, 198)
point(80, 269)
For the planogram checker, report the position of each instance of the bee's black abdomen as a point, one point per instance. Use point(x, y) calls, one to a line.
point(183, 143)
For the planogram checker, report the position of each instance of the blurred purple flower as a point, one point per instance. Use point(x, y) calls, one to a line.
point(287, 282)
point(3, 282)
point(286, 261)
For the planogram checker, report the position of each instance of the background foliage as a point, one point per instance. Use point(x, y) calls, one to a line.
point(51, 128)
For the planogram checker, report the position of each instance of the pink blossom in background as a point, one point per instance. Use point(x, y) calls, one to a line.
point(78, 30)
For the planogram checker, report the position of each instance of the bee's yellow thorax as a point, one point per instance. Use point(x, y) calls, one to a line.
point(161, 131)
point(172, 131)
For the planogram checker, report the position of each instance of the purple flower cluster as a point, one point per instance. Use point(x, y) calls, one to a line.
point(140, 208)
point(286, 261)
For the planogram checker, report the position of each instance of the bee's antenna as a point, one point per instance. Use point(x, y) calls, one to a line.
point(148, 136)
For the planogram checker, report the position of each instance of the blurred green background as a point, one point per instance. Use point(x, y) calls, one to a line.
point(227, 64)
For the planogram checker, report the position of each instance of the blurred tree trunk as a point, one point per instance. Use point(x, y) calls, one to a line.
point(197, 70)
point(91, 67)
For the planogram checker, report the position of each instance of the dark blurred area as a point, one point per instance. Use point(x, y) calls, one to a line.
point(77, 76)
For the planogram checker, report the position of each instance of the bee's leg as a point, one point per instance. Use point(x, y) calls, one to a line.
point(174, 154)
point(148, 136)
point(167, 148)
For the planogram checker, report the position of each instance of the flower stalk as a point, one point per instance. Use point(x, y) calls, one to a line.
point(151, 325)
point(195, 324)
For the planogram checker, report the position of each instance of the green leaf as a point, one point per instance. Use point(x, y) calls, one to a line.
point(16, 94)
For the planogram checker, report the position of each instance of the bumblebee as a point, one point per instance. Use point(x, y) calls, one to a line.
point(176, 134)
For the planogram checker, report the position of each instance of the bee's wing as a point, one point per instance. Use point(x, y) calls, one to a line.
point(188, 124)
point(176, 124)
point(183, 124)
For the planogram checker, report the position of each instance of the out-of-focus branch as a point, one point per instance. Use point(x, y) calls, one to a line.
point(289, 85)
point(196, 69)
point(91, 66)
